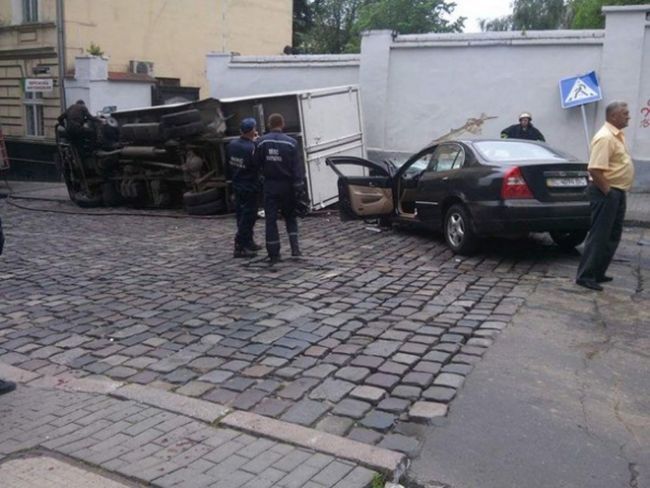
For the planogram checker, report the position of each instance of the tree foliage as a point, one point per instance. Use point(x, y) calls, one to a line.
point(554, 14)
point(587, 14)
point(335, 26)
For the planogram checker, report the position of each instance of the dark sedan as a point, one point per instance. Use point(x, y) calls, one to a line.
point(470, 189)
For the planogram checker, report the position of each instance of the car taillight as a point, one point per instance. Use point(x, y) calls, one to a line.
point(514, 185)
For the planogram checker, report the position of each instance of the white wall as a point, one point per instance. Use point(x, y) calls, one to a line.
point(437, 83)
point(416, 88)
point(92, 85)
point(235, 76)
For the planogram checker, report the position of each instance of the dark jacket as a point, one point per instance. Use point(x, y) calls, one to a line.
point(278, 157)
point(75, 116)
point(244, 170)
point(516, 131)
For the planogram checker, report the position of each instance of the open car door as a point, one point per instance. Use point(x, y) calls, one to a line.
point(360, 196)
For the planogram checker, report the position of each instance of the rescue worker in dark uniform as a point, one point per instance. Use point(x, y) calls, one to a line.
point(74, 120)
point(284, 174)
point(523, 130)
point(245, 184)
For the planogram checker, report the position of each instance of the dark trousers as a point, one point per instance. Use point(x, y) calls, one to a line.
point(607, 214)
point(279, 197)
point(246, 212)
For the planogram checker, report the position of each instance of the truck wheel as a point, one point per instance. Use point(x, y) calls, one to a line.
point(149, 132)
point(85, 201)
point(191, 198)
point(458, 231)
point(187, 130)
point(210, 208)
point(181, 118)
point(568, 240)
point(110, 195)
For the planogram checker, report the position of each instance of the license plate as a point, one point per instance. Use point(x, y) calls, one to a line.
point(566, 182)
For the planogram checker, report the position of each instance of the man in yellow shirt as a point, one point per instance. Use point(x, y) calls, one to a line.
point(612, 172)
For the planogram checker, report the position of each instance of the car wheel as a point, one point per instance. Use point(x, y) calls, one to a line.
point(458, 231)
point(568, 240)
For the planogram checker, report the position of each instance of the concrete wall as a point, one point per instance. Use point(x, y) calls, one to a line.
point(416, 88)
point(176, 34)
point(233, 76)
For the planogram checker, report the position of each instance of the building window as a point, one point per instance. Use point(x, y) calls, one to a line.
point(30, 11)
point(34, 125)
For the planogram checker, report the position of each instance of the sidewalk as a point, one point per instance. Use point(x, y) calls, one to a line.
point(142, 443)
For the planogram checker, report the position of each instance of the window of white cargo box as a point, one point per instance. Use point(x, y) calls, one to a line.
point(34, 125)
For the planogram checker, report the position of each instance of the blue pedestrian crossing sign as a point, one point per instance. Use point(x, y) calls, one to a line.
point(580, 90)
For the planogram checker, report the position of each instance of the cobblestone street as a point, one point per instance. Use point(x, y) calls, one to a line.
point(368, 331)
point(368, 334)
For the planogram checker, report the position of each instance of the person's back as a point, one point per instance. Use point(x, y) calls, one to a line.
point(279, 159)
point(278, 154)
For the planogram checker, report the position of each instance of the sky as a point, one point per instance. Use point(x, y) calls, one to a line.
point(480, 9)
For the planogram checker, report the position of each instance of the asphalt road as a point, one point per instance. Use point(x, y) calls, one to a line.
point(562, 399)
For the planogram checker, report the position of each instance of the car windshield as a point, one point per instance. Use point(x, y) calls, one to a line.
point(509, 150)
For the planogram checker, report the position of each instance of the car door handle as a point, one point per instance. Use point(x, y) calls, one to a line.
point(445, 178)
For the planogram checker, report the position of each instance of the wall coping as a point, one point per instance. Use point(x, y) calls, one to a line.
point(556, 35)
point(297, 61)
point(626, 8)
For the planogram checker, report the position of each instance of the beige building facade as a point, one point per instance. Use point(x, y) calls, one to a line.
point(167, 39)
point(171, 38)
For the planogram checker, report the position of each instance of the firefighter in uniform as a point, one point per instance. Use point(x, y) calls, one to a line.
point(245, 184)
point(523, 130)
point(278, 158)
point(74, 119)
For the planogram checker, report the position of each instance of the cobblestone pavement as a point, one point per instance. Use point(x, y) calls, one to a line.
point(369, 333)
point(152, 445)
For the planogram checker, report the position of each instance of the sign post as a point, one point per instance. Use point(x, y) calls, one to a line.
point(579, 91)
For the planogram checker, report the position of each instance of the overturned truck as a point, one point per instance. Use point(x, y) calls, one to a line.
point(175, 155)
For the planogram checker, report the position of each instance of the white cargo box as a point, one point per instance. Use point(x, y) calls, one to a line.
point(326, 122)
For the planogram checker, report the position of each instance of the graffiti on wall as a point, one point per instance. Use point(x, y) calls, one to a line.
point(645, 114)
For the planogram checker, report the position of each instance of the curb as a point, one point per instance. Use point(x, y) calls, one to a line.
point(384, 460)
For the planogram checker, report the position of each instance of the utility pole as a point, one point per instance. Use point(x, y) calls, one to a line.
point(60, 37)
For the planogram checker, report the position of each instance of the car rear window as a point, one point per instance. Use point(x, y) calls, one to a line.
point(509, 150)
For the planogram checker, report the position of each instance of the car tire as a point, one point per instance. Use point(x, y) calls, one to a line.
point(191, 198)
point(181, 118)
point(568, 240)
point(458, 231)
point(210, 208)
point(187, 130)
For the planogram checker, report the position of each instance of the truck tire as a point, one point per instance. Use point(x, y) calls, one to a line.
point(187, 130)
point(85, 201)
point(149, 132)
point(181, 118)
point(211, 208)
point(191, 198)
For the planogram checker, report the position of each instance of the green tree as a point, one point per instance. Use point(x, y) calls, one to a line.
point(332, 25)
point(302, 21)
point(531, 15)
point(336, 25)
point(587, 14)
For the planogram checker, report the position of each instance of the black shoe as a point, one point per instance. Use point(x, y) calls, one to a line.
point(7, 386)
point(254, 246)
point(274, 259)
point(296, 253)
point(244, 253)
point(605, 279)
point(592, 285)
